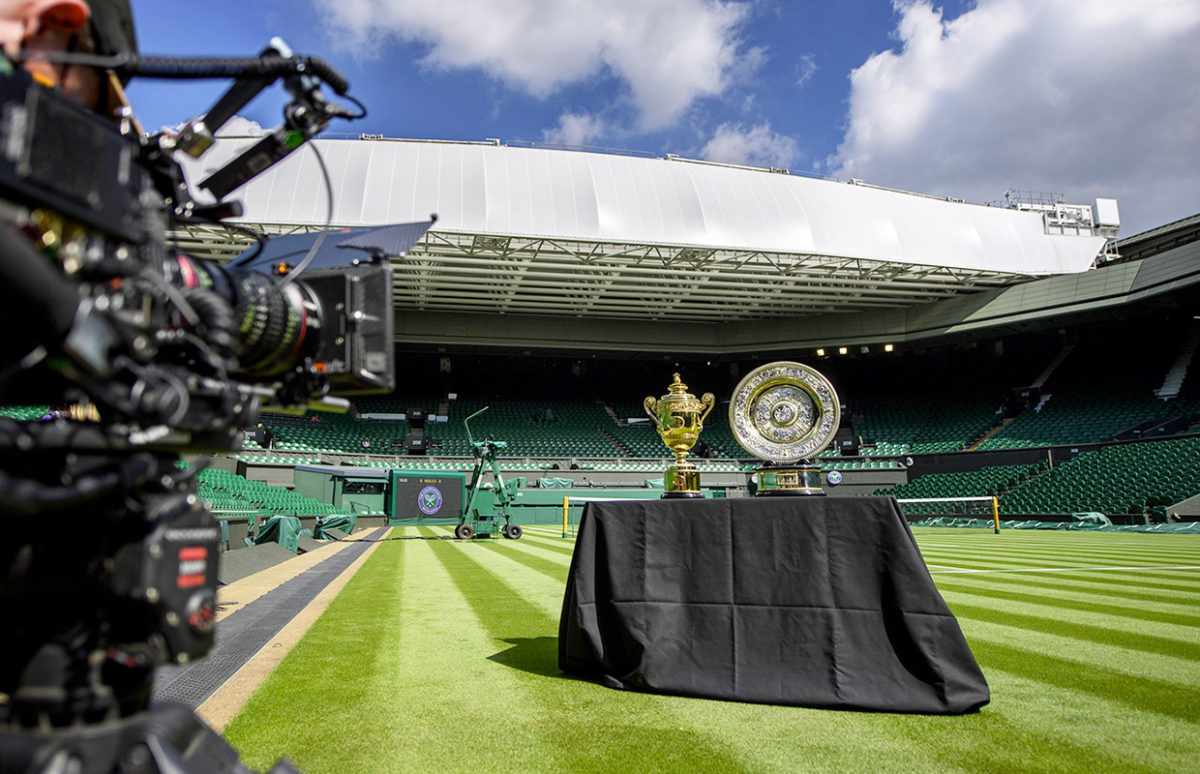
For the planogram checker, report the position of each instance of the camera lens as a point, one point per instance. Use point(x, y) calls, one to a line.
point(275, 323)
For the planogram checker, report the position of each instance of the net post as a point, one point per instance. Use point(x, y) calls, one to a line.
point(996, 515)
point(565, 501)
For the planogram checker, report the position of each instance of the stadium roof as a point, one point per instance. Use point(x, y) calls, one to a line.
point(1157, 240)
point(535, 231)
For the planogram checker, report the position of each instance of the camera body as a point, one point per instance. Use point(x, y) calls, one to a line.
point(111, 569)
point(98, 203)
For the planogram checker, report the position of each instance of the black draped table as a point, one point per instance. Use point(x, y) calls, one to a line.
point(810, 601)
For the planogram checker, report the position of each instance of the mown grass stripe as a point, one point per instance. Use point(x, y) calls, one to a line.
point(1174, 572)
point(1111, 587)
point(447, 707)
point(548, 542)
point(1018, 556)
point(546, 550)
point(554, 531)
point(1053, 599)
point(1147, 694)
point(1092, 539)
point(1114, 554)
point(609, 745)
point(1146, 578)
point(1130, 664)
point(300, 689)
point(1074, 559)
point(555, 571)
point(1145, 643)
point(1187, 574)
point(451, 708)
point(1048, 537)
point(558, 545)
point(1079, 558)
point(995, 742)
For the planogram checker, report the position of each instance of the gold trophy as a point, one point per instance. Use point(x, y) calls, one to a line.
point(784, 413)
point(679, 417)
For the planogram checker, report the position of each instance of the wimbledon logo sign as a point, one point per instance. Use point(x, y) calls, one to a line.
point(429, 500)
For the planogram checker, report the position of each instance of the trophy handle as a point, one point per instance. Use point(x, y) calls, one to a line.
point(651, 407)
point(708, 401)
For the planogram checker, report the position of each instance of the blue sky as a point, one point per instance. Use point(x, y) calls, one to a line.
point(963, 99)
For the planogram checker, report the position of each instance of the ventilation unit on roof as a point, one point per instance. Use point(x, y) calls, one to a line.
point(1106, 218)
point(1059, 217)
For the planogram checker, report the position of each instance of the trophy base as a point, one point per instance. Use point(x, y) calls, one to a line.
point(795, 481)
point(681, 483)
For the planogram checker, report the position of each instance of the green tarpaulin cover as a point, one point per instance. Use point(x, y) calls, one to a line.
point(555, 483)
point(343, 522)
point(284, 530)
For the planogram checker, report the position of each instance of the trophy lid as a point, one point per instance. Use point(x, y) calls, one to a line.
point(679, 399)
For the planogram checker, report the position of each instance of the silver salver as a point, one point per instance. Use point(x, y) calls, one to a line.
point(784, 412)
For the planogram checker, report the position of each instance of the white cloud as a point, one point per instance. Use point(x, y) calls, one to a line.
point(239, 126)
point(575, 129)
point(806, 68)
point(1086, 99)
point(667, 53)
point(757, 146)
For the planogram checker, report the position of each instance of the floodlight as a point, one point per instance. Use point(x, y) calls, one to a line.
point(888, 347)
point(842, 350)
point(821, 352)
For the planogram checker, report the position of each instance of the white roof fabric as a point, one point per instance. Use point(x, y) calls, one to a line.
point(486, 189)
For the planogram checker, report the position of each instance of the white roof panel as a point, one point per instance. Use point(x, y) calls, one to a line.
point(488, 189)
point(635, 236)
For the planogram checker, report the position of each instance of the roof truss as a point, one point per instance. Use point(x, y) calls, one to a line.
point(494, 274)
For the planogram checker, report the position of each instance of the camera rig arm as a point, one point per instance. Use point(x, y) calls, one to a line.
point(202, 68)
point(306, 115)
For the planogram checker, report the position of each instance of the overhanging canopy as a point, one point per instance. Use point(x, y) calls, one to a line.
point(540, 231)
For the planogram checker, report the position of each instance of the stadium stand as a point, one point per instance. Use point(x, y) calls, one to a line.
point(985, 481)
point(943, 400)
point(1129, 478)
point(229, 492)
point(1093, 396)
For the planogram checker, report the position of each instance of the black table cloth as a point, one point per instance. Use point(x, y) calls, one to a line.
point(810, 601)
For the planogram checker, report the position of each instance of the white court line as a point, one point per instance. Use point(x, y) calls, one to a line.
point(1070, 569)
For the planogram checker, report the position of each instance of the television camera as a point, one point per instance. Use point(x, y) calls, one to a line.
point(108, 565)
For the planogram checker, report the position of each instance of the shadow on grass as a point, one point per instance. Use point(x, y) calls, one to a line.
point(536, 655)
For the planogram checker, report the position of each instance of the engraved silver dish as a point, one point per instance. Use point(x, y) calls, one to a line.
point(784, 412)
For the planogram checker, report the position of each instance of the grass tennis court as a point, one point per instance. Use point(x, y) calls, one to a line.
point(441, 656)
